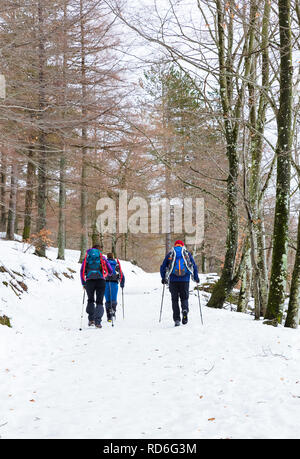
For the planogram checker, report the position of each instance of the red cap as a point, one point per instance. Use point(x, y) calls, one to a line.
point(179, 243)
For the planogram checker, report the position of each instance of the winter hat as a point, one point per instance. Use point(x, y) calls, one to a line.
point(179, 243)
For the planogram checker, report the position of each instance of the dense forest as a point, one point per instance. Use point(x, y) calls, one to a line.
point(196, 99)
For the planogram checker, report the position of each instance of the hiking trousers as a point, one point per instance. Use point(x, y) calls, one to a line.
point(111, 295)
point(95, 286)
point(111, 292)
point(179, 290)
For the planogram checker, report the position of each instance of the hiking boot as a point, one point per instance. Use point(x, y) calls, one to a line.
point(177, 323)
point(184, 317)
point(98, 326)
point(91, 322)
point(110, 315)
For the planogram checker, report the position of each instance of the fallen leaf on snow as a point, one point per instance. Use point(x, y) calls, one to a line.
point(211, 419)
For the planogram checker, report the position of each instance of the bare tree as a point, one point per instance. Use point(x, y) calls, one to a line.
point(283, 152)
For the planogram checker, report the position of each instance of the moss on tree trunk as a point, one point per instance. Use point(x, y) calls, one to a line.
point(283, 153)
point(292, 319)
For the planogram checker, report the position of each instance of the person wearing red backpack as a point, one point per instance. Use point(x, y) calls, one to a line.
point(176, 270)
point(94, 270)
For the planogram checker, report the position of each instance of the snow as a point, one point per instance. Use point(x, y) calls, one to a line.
point(17, 236)
point(233, 377)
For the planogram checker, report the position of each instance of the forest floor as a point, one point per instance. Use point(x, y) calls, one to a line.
point(232, 377)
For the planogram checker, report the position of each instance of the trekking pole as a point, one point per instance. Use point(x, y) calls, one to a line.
point(199, 298)
point(123, 302)
point(162, 300)
point(80, 329)
point(112, 317)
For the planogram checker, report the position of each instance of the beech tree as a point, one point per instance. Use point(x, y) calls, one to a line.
point(283, 153)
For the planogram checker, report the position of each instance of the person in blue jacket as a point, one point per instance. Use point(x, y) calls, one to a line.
point(112, 286)
point(176, 270)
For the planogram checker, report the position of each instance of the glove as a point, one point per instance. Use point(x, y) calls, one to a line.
point(164, 281)
point(197, 280)
point(122, 285)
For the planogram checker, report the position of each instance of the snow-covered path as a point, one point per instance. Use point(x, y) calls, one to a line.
point(231, 378)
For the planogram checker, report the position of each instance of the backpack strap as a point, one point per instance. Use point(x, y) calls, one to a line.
point(171, 259)
point(84, 267)
point(103, 266)
point(187, 260)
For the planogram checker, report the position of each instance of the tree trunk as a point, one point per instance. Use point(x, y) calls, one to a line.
point(3, 212)
point(17, 219)
point(62, 164)
point(30, 181)
point(257, 123)
point(203, 259)
point(95, 234)
point(245, 290)
point(292, 319)
point(84, 194)
point(42, 179)
point(62, 208)
point(125, 246)
point(10, 234)
point(262, 263)
point(167, 172)
point(226, 282)
point(114, 245)
point(231, 120)
point(283, 153)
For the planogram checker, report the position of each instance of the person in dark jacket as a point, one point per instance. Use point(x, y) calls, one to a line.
point(176, 270)
point(94, 270)
point(112, 286)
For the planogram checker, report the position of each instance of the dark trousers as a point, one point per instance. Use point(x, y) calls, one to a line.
point(95, 286)
point(179, 290)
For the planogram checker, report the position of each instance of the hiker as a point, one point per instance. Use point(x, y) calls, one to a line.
point(94, 270)
point(112, 286)
point(176, 270)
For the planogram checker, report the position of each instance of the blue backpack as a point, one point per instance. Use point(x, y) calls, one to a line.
point(116, 275)
point(179, 269)
point(93, 265)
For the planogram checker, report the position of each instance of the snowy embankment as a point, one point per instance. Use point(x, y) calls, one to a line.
point(231, 378)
